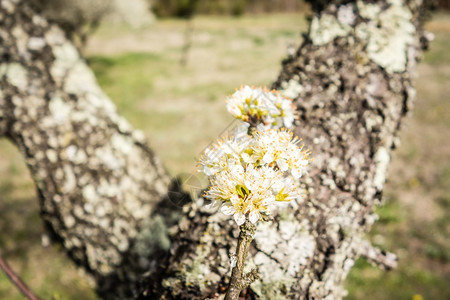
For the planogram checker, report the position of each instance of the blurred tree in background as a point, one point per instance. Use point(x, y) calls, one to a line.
point(80, 18)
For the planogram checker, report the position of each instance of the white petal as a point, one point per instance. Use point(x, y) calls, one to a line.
point(237, 170)
point(277, 186)
point(268, 200)
point(245, 157)
point(239, 218)
point(261, 127)
point(234, 109)
point(248, 184)
point(228, 209)
point(282, 165)
point(241, 130)
point(297, 173)
point(288, 121)
point(234, 199)
point(213, 204)
point(253, 217)
point(304, 163)
point(268, 158)
point(208, 171)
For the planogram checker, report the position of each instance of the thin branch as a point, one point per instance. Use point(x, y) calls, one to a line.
point(249, 278)
point(21, 286)
point(238, 281)
point(385, 260)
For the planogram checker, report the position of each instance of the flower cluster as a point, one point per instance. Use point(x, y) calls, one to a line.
point(261, 162)
point(260, 106)
point(249, 174)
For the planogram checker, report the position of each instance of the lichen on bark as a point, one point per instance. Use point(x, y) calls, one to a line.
point(388, 33)
point(97, 180)
point(351, 105)
point(100, 185)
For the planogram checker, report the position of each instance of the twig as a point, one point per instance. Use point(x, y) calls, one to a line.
point(385, 260)
point(16, 280)
point(238, 281)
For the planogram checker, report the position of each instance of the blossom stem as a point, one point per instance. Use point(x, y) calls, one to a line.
point(239, 281)
point(252, 130)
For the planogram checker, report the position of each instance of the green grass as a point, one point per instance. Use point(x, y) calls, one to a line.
point(439, 50)
point(180, 109)
point(368, 282)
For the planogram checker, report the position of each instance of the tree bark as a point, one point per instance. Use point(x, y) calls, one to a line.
point(98, 182)
point(352, 84)
point(105, 196)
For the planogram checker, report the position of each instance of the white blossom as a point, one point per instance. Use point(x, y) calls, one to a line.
point(279, 147)
point(221, 154)
point(257, 167)
point(260, 106)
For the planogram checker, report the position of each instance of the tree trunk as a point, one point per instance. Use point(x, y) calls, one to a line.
point(98, 182)
point(105, 196)
point(351, 81)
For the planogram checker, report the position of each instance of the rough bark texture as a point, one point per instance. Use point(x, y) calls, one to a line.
point(97, 180)
point(351, 81)
point(99, 184)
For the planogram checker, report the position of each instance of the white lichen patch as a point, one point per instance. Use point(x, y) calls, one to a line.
point(389, 34)
point(108, 158)
point(346, 14)
point(8, 6)
point(80, 79)
point(59, 110)
point(99, 101)
point(396, 2)
point(290, 244)
point(195, 271)
point(136, 208)
point(152, 236)
point(124, 125)
point(69, 220)
point(69, 180)
point(66, 56)
point(16, 74)
point(36, 43)
point(76, 155)
point(54, 36)
point(291, 89)
point(102, 260)
point(274, 279)
point(52, 155)
point(20, 37)
point(122, 144)
point(368, 10)
point(39, 21)
point(326, 28)
point(267, 236)
point(382, 159)
point(89, 193)
point(138, 135)
point(108, 189)
point(343, 218)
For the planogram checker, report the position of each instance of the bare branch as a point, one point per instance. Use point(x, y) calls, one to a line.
point(383, 259)
point(15, 279)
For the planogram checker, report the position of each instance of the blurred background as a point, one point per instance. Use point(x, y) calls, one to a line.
point(168, 66)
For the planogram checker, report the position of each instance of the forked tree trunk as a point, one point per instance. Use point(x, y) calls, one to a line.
point(97, 180)
point(100, 185)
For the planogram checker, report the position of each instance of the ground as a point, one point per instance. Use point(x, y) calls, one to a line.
point(181, 110)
